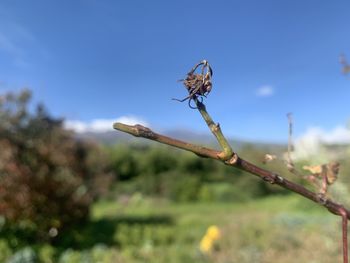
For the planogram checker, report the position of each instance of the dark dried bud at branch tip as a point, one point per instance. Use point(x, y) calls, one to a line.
point(198, 84)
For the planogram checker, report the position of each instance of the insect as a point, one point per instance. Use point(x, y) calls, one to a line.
point(198, 84)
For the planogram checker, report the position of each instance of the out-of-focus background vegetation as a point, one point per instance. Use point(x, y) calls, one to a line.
point(73, 190)
point(69, 198)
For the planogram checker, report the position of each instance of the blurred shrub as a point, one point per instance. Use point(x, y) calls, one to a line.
point(5, 250)
point(124, 162)
point(103, 254)
point(48, 179)
point(158, 160)
point(181, 187)
point(70, 256)
point(26, 255)
point(182, 176)
point(142, 234)
point(46, 254)
point(222, 192)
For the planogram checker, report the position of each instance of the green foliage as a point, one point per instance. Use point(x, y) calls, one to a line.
point(158, 160)
point(181, 176)
point(70, 256)
point(48, 179)
point(124, 162)
point(181, 187)
point(170, 232)
point(5, 250)
point(26, 255)
point(47, 254)
point(57, 177)
point(222, 192)
point(141, 235)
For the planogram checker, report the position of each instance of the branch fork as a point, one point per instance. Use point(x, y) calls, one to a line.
point(229, 157)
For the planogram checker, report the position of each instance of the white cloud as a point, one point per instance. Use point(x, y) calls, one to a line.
point(131, 120)
point(101, 125)
point(310, 143)
point(77, 126)
point(264, 91)
point(337, 135)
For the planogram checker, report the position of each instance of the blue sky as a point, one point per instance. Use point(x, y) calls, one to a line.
point(96, 61)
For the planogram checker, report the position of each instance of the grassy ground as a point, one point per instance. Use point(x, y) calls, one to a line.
point(276, 229)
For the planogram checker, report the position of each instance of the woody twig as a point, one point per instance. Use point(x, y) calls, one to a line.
point(196, 91)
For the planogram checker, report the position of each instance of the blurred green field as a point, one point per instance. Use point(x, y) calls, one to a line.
point(273, 229)
point(67, 200)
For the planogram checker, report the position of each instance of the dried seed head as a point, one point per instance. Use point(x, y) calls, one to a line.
point(332, 172)
point(329, 170)
point(198, 84)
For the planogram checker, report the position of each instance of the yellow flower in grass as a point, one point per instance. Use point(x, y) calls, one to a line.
point(207, 242)
point(213, 232)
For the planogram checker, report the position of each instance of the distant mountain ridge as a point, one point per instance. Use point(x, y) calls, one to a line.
point(112, 137)
point(334, 151)
point(116, 137)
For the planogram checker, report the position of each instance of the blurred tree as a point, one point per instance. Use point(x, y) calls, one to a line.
point(48, 179)
point(124, 162)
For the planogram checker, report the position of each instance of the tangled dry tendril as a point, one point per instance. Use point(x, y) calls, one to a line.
point(198, 85)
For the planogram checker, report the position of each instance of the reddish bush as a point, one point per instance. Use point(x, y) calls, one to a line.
point(48, 179)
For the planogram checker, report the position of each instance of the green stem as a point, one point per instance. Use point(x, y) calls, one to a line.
point(216, 130)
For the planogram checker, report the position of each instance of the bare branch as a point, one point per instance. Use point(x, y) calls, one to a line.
point(235, 161)
point(141, 131)
point(290, 140)
point(199, 85)
point(344, 214)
